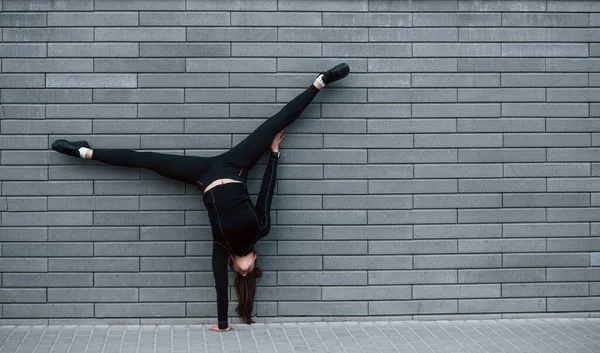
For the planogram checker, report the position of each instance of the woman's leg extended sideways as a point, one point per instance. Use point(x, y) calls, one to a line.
point(183, 168)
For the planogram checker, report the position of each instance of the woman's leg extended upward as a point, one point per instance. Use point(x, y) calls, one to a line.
point(246, 153)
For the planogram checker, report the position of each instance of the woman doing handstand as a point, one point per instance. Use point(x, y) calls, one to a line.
point(236, 223)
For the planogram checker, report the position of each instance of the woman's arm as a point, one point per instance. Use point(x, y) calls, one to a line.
point(220, 258)
point(265, 196)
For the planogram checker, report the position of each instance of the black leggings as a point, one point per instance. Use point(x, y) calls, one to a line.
point(187, 168)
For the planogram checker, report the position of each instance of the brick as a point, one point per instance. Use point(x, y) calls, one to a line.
point(72, 279)
point(102, 295)
point(47, 310)
point(504, 215)
point(23, 295)
point(317, 65)
point(46, 218)
point(170, 203)
point(411, 186)
point(225, 95)
point(92, 50)
point(501, 125)
point(547, 50)
point(228, 34)
point(321, 217)
point(23, 173)
point(546, 230)
point(456, 49)
point(502, 34)
point(574, 244)
point(545, 20)
point(501, 155)
point(574, 304)
point(501, 305)
point(572, 64)
point(23, 264)
point(119, 233)
point(544, 289)
point(41, 95)
point(46, 249)
point(367, 232)
point(416, 6)
point(139, 65)
point(288, 262)
point(367, 202)
point(457, 231)
point(184, 49)
point(412, 307)
point(26, 204)
point(545, 260)
point(139, 249)
point(275, 19)
point(23, 19)
point(457, 291)
point(176, 264)
point(312, 278)
point(391, 262)
point(554, 199)
point(412, 277)
point(174, 233)
point(413, 35)
point(329, 34)
point(34, 188)
point(231, 65)
point(171, 111)
point(151, 126)
point(182, 80)
point(276, 49)
point(427, 110)
point(501, 275)
point(455, 80)
point(138, 95)
point(96, 18)
point(147, 218)
point(87, 111)
point(146, 279)
point(510, 5)
point(46, 65)
point(176, 294)
point(56, 5)
point(501, 64)
point(138, 5)
point(457, 261)
point(127, 34)
point(232, 5)
point(367, 293)
point(411, 246)
point(139, 310)
point(322, 308)
point(321, 247)
point(457, 201)
point(23, 233)
point(96, 264)
point(370, 171)
point(176, 18)
point(501, 245)
point(91, 80)
point(11, 50)
point(21, 80)
point(48, 34)
point(455, 19)
point(543, 80)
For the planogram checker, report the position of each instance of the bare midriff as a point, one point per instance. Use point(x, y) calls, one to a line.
point(220, 182)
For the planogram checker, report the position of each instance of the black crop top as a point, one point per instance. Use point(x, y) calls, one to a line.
point(236, 226)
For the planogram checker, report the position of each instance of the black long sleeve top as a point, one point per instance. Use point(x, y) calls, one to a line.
point(236, 226)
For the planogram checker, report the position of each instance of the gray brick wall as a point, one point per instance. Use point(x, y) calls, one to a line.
point(454, 174)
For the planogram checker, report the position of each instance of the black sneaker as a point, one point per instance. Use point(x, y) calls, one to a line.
point(69, 148)
point(336, 73)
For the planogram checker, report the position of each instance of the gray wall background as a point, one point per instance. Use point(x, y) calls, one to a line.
point(454, 174)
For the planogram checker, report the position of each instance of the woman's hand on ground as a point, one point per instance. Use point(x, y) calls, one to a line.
point(216, 328)
point(276, 141)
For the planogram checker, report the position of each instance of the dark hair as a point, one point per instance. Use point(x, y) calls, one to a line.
point(245, 287)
